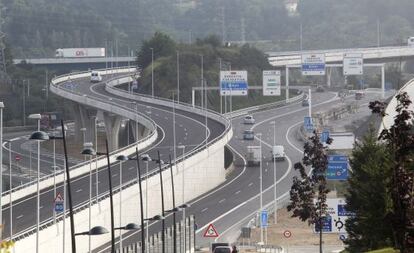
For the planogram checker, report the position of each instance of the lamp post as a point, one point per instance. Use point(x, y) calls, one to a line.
point(146, 158)
point(178, 76)
point(91, 151)
point(85, 145)
point(261, 186)
point(152, 71)
point(274, 169)
point(159, 161)
point(98, 230)
point(10, 191)
point(121, 159)
point(1, 162)
point(40, 136)
point(173, 204)
point(182, 194)
point(37, 117)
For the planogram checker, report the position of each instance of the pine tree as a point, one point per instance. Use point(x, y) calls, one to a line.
point(368, 196)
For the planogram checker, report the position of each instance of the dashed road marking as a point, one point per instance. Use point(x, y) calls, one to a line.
point(18, 217)
point(79, 190)
point(221, 201)
point(250, 184)
point(237, 192)
point(205, 209)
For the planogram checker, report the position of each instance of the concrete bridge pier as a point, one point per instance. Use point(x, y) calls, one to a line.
point(112, 126)
point(328, 77)
point(142, 131)
point(88, 117)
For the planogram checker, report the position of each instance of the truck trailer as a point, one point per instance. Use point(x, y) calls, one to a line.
point(80, 52)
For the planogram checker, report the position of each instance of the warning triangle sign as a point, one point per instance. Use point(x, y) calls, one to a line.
point(59, 198)
point(211, 231)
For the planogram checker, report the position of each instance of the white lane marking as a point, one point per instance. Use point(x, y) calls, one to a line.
point(250, 184)
point(79, 190)
point(265, 170)
point(40, 207)
point(287, 137)
point(221, 201)
point(237, 192)
point(18, 217)
point(131, 168)
point(114, 175)
point(205, 209)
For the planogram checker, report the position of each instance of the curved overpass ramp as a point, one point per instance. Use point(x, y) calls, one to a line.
point(200, 162)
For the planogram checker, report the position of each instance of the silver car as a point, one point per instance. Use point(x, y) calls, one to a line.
point(249, 120)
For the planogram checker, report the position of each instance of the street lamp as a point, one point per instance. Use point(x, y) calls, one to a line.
point(41, 136)
point(175, 209)
point(10, 190)
point(159, 161)
point(37, 117)
point(91, 151)
point(259, 135)
point(98, 230)
point(182, 194)
point(121, 159)
point(139, 179)
point(152, 71)
point(85, 145)
point(273, 123)
point(146, 158)
point(1, 160)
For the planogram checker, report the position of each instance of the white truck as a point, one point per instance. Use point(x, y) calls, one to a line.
point(278, 153)
point(253, 155)
point(80, 52)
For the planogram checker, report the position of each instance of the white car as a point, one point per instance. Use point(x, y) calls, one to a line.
point(249, 120)
point(96, 77)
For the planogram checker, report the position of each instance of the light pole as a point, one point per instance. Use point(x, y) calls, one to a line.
point(182, 195)
point(178, 76)
point(41, 136)
point(37, 117)
point(1, 162)
point(96, 165)
point(261, 187)
point(91, 151)
point(274, 169)
point(152, 71)
point(159, 161)
point(86, 145)
point(174, 132)
point(146, 158)
point(98, 230)
point(121, 159)
point(10, 191)
point(174, 211)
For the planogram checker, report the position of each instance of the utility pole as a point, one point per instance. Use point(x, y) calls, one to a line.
point(243, 30)
point(378, 33)
point(223, 26)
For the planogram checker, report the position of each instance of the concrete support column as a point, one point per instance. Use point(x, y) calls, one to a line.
point(112, 126)
point(328, 77)
point(287, 83)
point(142, 131)
point(78, 122)
point(87, 117)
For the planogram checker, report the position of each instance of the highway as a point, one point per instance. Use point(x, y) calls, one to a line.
point(190, 132)
point(236, 201)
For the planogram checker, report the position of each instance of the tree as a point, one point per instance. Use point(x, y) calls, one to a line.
point(368, 196)
point(308, 193)
point(399, 140)
point(161, 44)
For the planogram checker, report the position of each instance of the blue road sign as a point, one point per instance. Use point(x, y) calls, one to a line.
point(326, 224)
point(263, 219)
point(343, 212)
point(308, 124)
point(324, 136)
point(337, 171)
point(59, 203)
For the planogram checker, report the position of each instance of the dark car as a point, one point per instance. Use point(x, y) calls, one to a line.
point(305, 102)
point(319, 88)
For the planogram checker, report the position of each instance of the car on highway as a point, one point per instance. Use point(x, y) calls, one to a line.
point(96, 77)
point(305, 102)
point(248, 135)
point(359, 95)
point(223, 249)
point(249, 120)
point(319, 88)
point(145, 158)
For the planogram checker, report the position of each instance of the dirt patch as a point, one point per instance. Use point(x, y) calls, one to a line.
point(302, 234)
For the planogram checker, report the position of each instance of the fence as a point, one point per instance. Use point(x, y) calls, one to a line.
point(185, 239)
